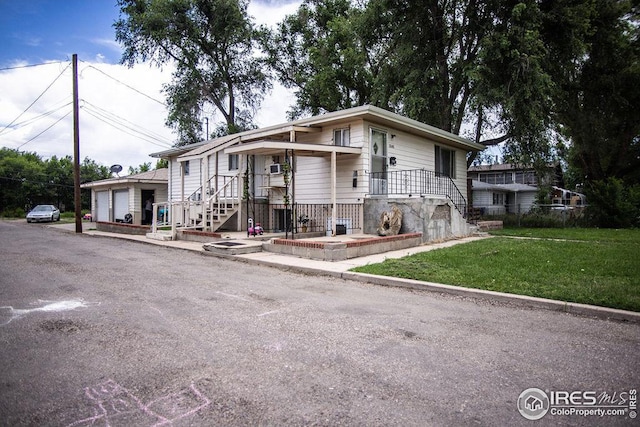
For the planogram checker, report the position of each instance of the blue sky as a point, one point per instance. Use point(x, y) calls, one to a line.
point(35, 31)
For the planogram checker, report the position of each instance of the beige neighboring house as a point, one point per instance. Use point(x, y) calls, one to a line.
point(330, 174)
point(123, 199)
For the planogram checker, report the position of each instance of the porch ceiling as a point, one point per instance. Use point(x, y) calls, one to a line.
point(274, 148)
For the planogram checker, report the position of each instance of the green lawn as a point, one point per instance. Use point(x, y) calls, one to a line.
point(600, 267)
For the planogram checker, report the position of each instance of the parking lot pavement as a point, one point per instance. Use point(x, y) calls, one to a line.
point(341, 269)
point(98, 331)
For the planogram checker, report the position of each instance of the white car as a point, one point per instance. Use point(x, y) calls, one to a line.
point(43, 213)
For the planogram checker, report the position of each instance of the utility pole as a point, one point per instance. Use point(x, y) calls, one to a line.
point(76, 147)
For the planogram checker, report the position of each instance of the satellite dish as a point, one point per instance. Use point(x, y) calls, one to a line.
point(116, 169)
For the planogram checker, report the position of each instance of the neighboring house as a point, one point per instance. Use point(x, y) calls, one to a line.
point(505, 188)
point(114, 199)
point(334, 173)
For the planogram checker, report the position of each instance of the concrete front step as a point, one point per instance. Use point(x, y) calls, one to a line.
point(233, 247)
point(162, 236)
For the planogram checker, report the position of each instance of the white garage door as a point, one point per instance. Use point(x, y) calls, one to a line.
point(120, 204)
point(102, 206)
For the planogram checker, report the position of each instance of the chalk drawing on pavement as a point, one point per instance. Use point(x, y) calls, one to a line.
point(115, 405)
point(50, 306)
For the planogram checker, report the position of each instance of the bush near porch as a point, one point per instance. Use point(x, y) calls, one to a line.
point(589, 266)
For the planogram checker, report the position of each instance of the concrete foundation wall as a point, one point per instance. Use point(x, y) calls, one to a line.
point(116, 227)
point(436, 218)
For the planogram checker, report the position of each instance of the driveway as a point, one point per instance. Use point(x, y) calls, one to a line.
point(99, 331)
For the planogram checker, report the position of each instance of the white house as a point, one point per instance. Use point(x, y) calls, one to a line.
point(331, 174)
point(123, 199)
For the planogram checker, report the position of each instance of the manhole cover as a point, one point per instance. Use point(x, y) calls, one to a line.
point(228, 244)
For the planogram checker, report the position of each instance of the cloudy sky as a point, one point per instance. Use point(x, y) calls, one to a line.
point(122, 113)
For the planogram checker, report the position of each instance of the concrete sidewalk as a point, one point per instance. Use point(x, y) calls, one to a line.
point(340, 269)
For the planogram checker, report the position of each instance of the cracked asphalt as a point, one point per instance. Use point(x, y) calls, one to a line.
point(99, 331)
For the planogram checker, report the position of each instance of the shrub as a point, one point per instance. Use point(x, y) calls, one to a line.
point(613, 204)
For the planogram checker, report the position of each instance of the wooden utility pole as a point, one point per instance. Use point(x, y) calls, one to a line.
point(76, 147)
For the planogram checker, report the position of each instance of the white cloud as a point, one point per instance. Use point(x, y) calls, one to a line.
point(111, 137)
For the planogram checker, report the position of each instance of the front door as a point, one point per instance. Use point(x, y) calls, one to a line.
point(378, 162)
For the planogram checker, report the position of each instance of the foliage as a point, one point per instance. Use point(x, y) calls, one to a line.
point(27, 180)
point(212, 43)
point(144, 167)
point(598, 107)
point(486, 66)
point(602, 271)
point(612, 204)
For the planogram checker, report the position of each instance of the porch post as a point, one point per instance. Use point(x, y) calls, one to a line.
point(333, 193)
point(205, 189)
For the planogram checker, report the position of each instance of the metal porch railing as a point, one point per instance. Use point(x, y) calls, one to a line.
point(417, 182)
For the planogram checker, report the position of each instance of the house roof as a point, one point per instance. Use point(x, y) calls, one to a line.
point(369, 113)
point(515, 188)
point(157, 176)
point(501, 167)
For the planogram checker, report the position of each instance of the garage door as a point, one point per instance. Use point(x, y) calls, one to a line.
point(102, 206)
point(120, 204)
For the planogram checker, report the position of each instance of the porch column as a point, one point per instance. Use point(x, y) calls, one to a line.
point(205, 190)
point(333, 193)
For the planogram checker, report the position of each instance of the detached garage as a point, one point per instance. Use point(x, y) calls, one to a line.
point(123, 199)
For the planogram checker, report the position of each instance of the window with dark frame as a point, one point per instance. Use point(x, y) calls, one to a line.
point(341, 137)
point(445, 162)
point(233, 162)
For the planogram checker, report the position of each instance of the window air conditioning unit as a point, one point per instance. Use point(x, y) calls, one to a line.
point(275, 169)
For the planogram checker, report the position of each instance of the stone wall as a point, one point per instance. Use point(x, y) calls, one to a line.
point(436, 218)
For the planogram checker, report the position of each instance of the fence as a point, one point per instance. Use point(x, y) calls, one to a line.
point(307, 218)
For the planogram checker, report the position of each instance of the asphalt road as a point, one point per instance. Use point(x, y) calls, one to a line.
point(100, 331)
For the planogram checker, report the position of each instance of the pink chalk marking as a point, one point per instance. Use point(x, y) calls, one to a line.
point(113, 400)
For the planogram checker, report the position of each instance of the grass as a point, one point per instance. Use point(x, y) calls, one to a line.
point(592, 266)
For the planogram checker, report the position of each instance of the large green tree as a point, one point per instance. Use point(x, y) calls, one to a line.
point(212, 44)
point(27, 180)
point(481, 68)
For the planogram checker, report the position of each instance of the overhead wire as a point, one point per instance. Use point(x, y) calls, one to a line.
point(123, 127)
point(17, 67)
point(36, 100)
point(128, 86)
point(36, 118)
point(122, 120)
point(55, 123)
point(101, 114)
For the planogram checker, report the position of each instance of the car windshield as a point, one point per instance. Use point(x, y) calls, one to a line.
point(42, 208)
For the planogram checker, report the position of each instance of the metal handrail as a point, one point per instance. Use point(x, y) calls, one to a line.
point(418, 182)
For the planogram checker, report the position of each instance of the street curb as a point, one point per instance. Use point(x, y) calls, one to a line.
point(586, 310)
point(533, 302)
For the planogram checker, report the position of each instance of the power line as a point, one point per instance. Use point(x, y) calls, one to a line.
point(36, 100)
point(55, 123)
point(126, 85)
point(122, 121)
point(17, 67)
point(36, 118)
point(119, 126)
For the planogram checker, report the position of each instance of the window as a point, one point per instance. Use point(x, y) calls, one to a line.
point(341, 137)
point(233, 162)
point(445, 162)
point(498, 199)
point(185, 167)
